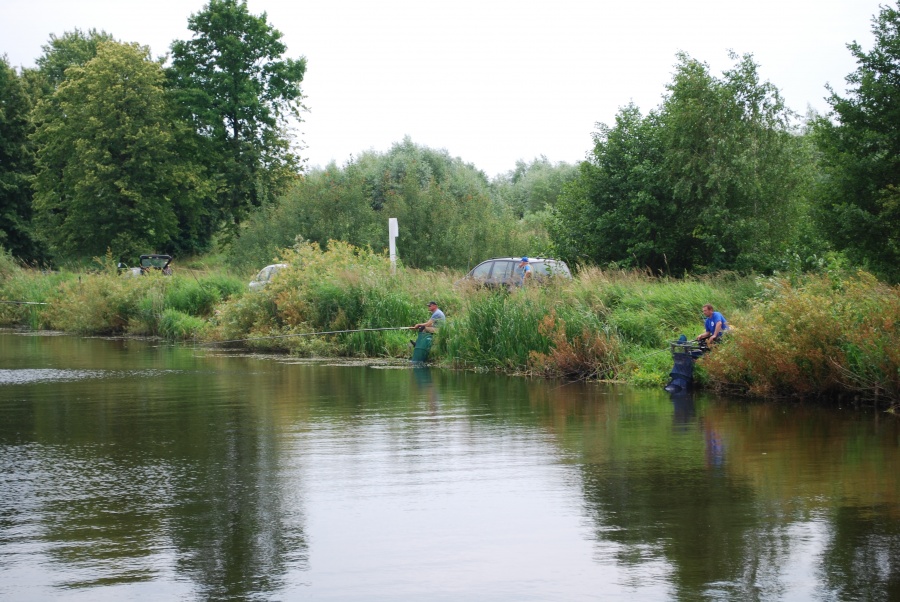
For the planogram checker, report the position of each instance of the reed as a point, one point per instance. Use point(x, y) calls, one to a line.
point(33, 286)
point(177, 325)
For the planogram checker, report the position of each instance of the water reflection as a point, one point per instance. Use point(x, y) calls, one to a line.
point(123, 477)
point(198, 475)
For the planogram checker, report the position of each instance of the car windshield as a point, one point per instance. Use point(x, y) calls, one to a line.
point(155, 262)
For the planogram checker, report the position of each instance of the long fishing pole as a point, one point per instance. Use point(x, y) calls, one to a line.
point(24, 303)
point(306, 334)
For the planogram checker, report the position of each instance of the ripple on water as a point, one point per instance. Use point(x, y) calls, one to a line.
point(50, 375)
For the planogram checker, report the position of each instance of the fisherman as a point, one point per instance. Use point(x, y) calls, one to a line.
point(716, 325)
point(434, 323)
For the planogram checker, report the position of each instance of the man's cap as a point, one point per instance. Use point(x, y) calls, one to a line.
point(525, 259)
point(432, 303)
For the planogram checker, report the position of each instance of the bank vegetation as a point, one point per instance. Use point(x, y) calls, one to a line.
point(830, 336)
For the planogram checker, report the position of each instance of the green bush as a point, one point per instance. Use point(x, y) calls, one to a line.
point(816, 337)
point(192, 297)
point(177, 325)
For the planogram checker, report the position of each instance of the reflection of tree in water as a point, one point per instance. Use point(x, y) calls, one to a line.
point(661, 502)
point(116, 488)
point(237, 529)
point(695, 507)
point(861, 561)
point(701, 524)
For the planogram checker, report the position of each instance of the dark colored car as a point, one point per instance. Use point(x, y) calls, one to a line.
point(156, 262)
point(505, 271)
point(149, 262)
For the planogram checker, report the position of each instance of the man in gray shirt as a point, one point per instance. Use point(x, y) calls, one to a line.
point(434, 322)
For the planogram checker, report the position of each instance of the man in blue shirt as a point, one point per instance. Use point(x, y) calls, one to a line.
point(526, 271)
point(434, 322)
point(716, 325)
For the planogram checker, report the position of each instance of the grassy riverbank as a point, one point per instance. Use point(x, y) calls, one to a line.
point(811, 336)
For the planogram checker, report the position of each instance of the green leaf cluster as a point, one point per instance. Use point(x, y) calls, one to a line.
point(444, 207)
point(16, 163)
point(857, 202)
point(108, 171)
point(232, 84)
point(708, 181)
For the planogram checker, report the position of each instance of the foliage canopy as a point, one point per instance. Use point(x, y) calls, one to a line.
point(237, 91)
point(858, 200)
point(16, 164)
point(108, 174)
point(694, 185)
point(443, 205)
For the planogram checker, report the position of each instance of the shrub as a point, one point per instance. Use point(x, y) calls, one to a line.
point(822, 336)
point(590, 354)
point(175, 325)
point(192, 297)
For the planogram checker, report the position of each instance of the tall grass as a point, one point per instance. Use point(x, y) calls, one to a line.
point(819, 336)
point(106, 302)
point(599, 325)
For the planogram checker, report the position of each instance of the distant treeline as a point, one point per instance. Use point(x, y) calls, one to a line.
point(104, 148)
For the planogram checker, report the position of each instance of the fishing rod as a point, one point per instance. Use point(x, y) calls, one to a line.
point(24, 303)
point(307, 334)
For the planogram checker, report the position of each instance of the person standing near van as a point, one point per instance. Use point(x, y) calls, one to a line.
point(526, 271)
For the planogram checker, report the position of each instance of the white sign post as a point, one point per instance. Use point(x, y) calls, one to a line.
point(393, 232)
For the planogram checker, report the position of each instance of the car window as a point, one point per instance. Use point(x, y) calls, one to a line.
point(551, 268)
point(558, 268)
point(483, 270)
point(503, 271)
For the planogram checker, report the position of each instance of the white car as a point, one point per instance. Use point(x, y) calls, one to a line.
point(265, 275)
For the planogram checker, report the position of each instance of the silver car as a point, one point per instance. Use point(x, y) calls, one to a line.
point(505, 271)
point(265, 275)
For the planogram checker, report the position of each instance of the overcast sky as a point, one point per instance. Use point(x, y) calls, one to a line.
point(489, 81)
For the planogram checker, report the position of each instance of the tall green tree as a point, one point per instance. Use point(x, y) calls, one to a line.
point(731, 160)
point(617, 209)
point(16, 165)
point(858, 202)
point(71, 49)
point(108, 172)
point(707, 181)
point(238, 91)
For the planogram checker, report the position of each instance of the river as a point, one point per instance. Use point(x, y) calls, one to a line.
point(134, 470)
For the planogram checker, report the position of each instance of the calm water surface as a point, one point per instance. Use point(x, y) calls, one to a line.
point(130, 471)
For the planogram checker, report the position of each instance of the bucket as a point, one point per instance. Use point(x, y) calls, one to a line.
point(422, 348)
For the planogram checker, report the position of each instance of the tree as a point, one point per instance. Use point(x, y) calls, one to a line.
point(730, 161)
point(72, 49)
point(707, 181)
point(239, 94)
point(857, 204)
point(108, 172)
point(532, 187)
point(16, 165)
point(443, 206)
point(617, 209)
